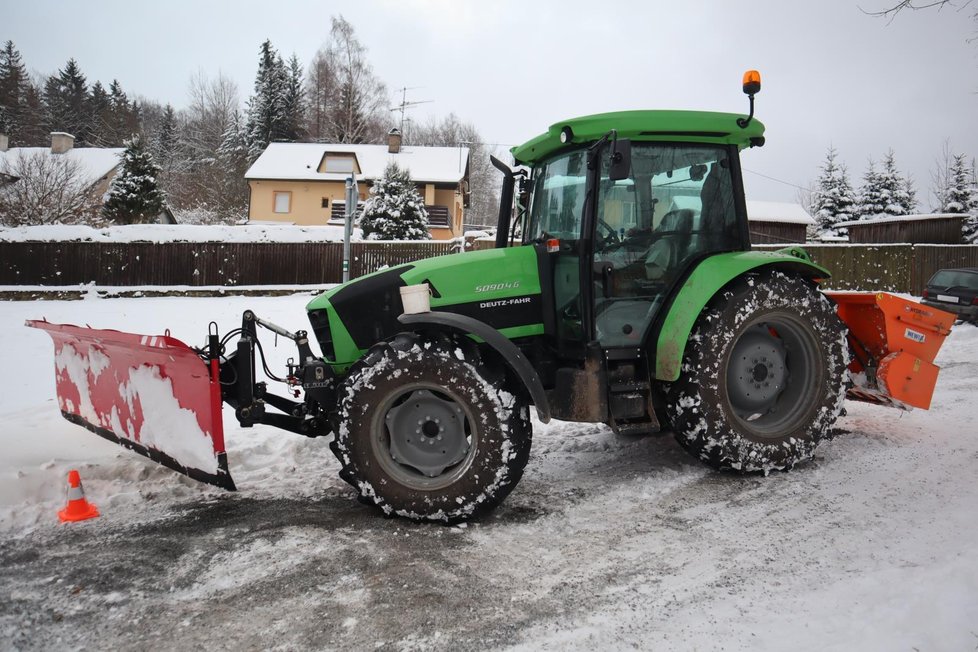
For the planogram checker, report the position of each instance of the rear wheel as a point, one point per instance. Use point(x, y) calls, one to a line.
point(763, 376)
point(426, 431)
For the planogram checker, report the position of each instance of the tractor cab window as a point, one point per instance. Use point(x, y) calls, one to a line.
point(558, 198)
point(677, 205)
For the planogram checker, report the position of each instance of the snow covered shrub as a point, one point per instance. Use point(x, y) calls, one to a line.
point(394, 210)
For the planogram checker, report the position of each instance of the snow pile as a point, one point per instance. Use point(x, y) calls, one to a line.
point(161, 233)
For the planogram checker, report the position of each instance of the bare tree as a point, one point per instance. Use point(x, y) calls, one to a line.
point(213, 103)
point(484, 179)
point(46, 189)
point(941, 176)
point(194, 179)
point(348, 102)
point(891, 11)
point(321, 89)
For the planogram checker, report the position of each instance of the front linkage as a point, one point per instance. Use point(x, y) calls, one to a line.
point(250, 399)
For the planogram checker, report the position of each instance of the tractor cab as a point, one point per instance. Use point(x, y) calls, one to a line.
point(621, 208)
point(616, 262)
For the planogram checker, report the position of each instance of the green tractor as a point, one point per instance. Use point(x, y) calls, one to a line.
point(622, 290)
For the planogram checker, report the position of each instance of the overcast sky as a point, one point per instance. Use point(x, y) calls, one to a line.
point(831, 74)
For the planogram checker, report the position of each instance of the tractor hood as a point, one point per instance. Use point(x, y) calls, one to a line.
point(500, 287)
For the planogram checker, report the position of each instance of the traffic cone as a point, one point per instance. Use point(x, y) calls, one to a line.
point(77, 509)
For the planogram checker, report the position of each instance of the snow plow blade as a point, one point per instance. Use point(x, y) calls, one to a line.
point(152, 394)
point(893, 342)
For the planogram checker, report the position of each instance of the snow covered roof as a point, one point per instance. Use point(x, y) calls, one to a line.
point(94, 162)
point(300, 162)
point(880, 219)
point(773, 211)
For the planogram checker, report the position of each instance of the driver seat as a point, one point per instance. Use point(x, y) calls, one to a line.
point(668, 250)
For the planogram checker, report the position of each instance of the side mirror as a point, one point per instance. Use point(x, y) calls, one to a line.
point(621, 160)
point(697, 172)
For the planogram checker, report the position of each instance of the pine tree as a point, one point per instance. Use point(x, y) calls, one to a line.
point(833, 200)
point(135, 196)
point(871, 197)
point(100, 117)
point(165, 142)
point(961, 196)
point(32, 130)
point(233, 160)
point(66, 102)
point(958, 195)
point(895, 191)
point(13, 89)
point(266, 108)
point(294, 103)
point(395, 210)
point(124, 115)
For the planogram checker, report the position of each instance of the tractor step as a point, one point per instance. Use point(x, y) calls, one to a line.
point(629, 393)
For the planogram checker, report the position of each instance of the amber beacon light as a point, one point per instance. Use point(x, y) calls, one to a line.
point(752, 85)
point(752, 82)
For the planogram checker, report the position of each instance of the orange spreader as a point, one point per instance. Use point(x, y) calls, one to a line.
point(894, 342)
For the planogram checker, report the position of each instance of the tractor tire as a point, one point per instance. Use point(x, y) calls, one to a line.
point(426, 431)
point(763, 376)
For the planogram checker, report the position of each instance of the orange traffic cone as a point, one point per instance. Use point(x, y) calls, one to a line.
point(77, 509)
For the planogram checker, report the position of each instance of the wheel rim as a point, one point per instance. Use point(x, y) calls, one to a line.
point(423, 436)
point(772, 375)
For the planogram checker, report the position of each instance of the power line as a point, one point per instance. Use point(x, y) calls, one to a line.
point(787, 183)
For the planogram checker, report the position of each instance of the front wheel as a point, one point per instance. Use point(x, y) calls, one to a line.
point(762, 380)
point(426, 431)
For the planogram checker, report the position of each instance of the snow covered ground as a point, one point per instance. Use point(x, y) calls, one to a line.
point(608, 542)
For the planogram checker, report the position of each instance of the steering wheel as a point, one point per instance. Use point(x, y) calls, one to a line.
point(611, 238)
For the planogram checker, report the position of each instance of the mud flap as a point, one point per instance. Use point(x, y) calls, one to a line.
point(893, 342)
point(151, 394)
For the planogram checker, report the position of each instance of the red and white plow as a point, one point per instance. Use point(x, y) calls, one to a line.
point(152, 394)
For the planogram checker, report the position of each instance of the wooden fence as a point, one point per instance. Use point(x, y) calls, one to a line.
point(200, 264)
point(895, 268)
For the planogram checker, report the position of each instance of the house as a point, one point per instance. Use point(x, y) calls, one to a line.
point(938, 228)
point(305, 183)
point(777, 222)
point(95, 166)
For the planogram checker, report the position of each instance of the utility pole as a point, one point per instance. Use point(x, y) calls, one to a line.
point(407, 105)
point(352, 195)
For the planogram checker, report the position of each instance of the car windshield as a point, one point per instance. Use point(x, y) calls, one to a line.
point(947, 278)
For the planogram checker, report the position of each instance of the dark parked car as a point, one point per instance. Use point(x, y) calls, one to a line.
point(954, 290)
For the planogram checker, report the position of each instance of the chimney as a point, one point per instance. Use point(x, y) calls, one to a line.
point(4, 143)
point(393, 141)
point(61, 142)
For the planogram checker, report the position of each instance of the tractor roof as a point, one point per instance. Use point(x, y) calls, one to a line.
point(675, 126)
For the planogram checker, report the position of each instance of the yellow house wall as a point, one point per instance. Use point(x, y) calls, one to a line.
point(306, 208)
point(307, 197)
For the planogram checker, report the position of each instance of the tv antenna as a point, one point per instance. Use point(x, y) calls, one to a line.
point(404, 105)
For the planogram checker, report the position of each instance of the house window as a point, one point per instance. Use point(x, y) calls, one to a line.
point(283, 202)
point(325, 202)
point(339, 163)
